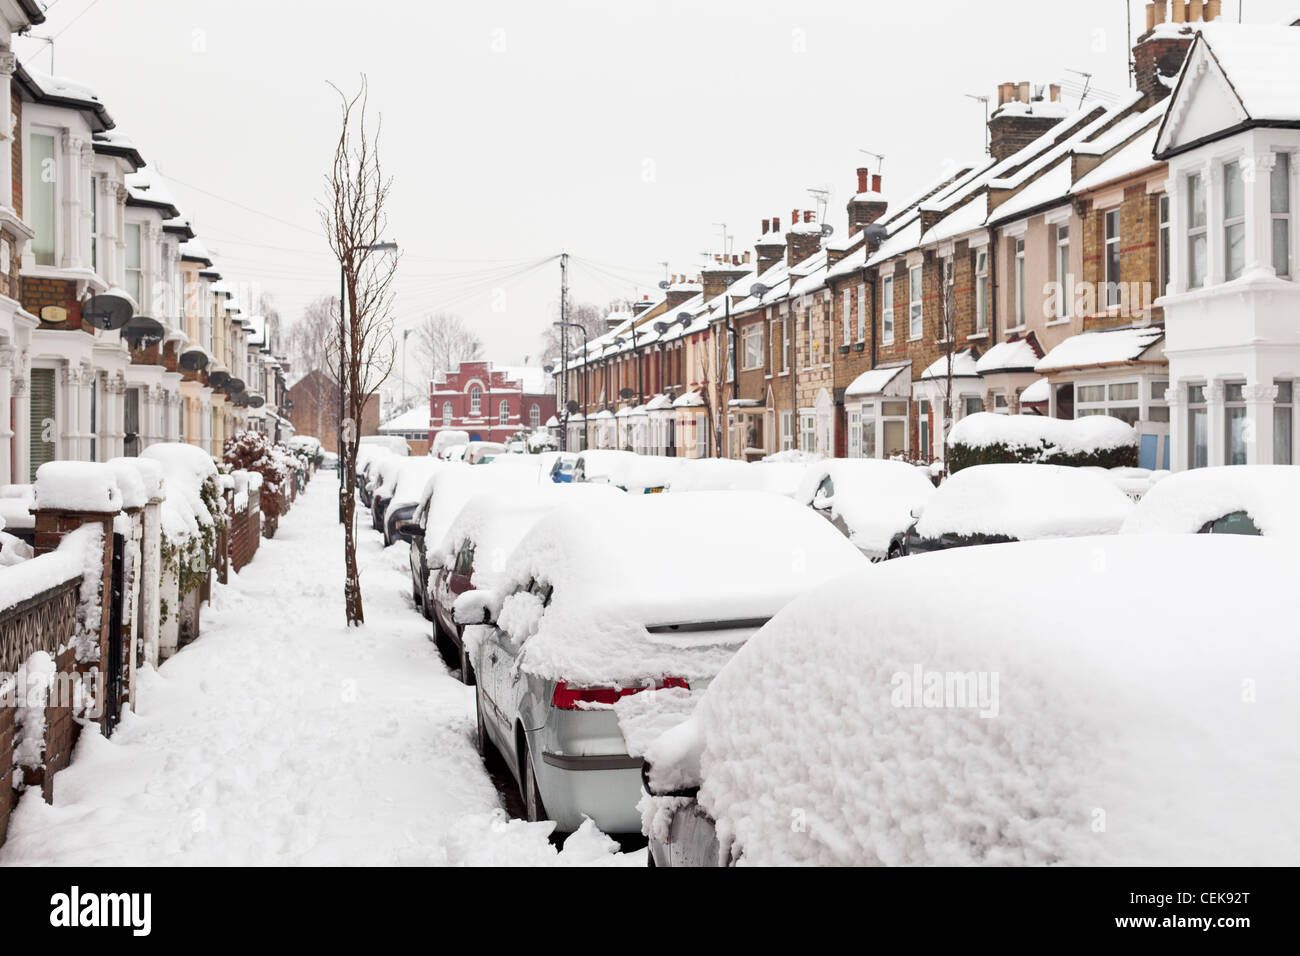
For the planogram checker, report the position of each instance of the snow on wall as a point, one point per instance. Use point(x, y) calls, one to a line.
point(77, 486)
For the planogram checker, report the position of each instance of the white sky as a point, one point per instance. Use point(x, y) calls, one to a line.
point(618, 132)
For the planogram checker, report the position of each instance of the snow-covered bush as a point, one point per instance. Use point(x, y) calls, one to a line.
point(253, 451)
point(989, 439)
point(191, 513)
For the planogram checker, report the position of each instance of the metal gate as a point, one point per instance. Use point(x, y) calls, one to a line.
point(113, 680)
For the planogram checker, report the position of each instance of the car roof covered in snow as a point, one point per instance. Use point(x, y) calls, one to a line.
point(1072, 724)
point(620, 566)
point(495, 521)
point(1025, 502)
point(875, 497)
point(1186, 501)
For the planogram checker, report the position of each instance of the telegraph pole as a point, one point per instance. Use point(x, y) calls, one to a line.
point(564, 350)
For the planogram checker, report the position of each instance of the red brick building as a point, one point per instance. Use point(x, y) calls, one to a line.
point(490, 403)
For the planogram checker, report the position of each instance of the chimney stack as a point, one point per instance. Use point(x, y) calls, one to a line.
point(1159, 53)
point(864, 212)
point(770, 246)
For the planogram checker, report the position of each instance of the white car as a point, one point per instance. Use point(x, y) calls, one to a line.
point(870, 500)
point(986, 504)
point(604, 600)
point(1123, 700)
point(1232, 499)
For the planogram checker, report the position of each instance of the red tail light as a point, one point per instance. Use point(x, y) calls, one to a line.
point(567, 697)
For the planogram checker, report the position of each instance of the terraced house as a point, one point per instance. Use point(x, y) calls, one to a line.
point(1036, 280)
point(115, 330)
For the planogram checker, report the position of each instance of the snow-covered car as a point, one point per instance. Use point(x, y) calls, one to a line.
point(393, 443)
point(1229, 499)
point(447, 492)
point(1067, 723)
point(561, 470)
point(605, 599)
point(407, 493)
point(368, 458)
point(728, 474)
point(597, 464)
point(988, 504)
point(483, 452)
point(870, 500)
point(485, 532)
point(445, 440)
point(382, 481)
point(329, 461)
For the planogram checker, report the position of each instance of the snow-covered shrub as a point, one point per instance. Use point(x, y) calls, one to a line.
point(986, 438)
point(253, 451)
point(191, 514)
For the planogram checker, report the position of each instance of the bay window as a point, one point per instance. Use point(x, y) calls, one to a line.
point(1196, 231)
point(1120, 400)
point(40, 204)
point(1234, 421)
point(1284, 423)
point(1279, 194)
point(1234, 221)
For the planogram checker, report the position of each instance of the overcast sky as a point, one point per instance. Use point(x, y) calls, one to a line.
point(618, 132)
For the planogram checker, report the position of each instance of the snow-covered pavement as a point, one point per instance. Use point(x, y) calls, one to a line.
point(280, 737)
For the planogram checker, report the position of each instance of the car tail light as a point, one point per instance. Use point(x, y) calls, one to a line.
point(569, 697)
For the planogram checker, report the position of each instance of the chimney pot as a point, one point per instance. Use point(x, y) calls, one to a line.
point(1054, 92)
point(1022, 92)
point(1180, 11)
point(862, 179)
point(766, 224)
point(776, 225)
point(1212, 9)
point(875, 183)
point(1160, 10)
point(807, 215)
point(794, 218)
point(1196, 11)
point(1151, 17)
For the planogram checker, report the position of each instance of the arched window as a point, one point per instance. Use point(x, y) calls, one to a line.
point(446, 413)
point(503, 412)
point(476, 401)
point(534, 415)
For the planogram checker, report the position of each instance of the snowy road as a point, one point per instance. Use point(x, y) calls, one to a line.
point(281, 738)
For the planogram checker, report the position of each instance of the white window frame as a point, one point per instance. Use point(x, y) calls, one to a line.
point(1197, 234)
point(846, 305)
point(1063, 271)
point(748, 334)
point(1280, 173)
point(1163, 248)
point(1018, 260)
point(887, 310)
point(447, 414)
point(1110, 402)
point(127, 271)
point(915, 305)
point(787, 430)
point(981, 291)
point(475, 401)
point(1284, 410)
point(1112, 256)
point(862, 312)
point(503, 412)
point(1236, 223)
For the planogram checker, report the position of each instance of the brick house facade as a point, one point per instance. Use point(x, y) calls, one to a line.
point(490, 403)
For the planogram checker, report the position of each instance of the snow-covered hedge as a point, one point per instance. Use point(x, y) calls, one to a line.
point(988, 439)
point(253, 451)
point(191, 511)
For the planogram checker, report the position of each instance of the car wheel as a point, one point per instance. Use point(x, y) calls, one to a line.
point(534, 808)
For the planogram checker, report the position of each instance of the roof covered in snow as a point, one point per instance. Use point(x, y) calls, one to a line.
point(1113, 347)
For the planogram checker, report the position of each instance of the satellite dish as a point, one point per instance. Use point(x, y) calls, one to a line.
point(255, 400)
point(218, 379)
point(234, 386)
point(625, 393)
point(141, 332)
point(108, 311)
point(827, 229)
point(665, 284)
point(194, 359)
point(571, 406)
point(758, 290)
point(876, 233)
point(661, 327)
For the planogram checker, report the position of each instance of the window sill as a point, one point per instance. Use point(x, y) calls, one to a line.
point(1062, 321)
point(915, 338)
point(1014, 330)
point(977, 337)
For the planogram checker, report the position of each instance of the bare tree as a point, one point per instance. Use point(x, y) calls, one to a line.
point(587, 314)
point(443, 341)
point(948, 340)
point(311, 344)
point(355, 218)
point(266, 305)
